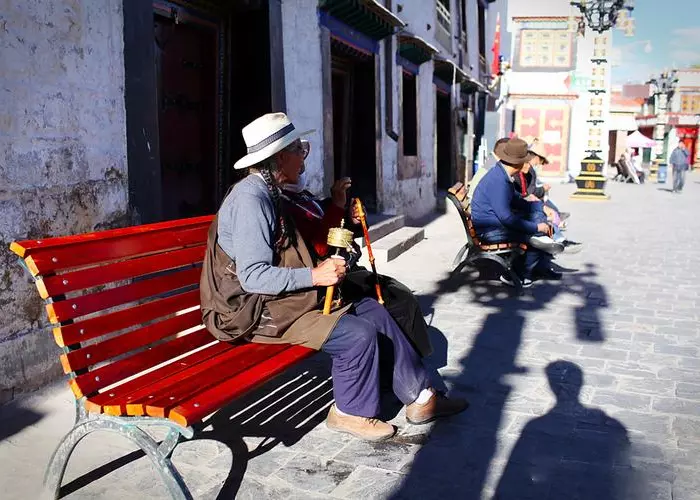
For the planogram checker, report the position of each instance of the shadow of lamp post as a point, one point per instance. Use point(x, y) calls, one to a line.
point(599, 16)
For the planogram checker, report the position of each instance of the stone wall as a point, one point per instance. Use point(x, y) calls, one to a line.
point(304, 81)
point(62, 154)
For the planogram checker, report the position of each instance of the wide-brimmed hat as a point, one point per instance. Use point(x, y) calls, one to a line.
point(537, 149)
point(514, 152)
point(265, 136)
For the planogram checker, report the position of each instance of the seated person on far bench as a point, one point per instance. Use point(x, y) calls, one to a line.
point(313, 218)
point(260, 284)
point(497, 214)
point(481, 172)
point(525, 183)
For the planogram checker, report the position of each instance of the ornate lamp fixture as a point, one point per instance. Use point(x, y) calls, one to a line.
point(665, 83)
point(602, 15)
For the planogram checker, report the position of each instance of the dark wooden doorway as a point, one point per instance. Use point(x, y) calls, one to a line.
point(196, 72)
point(186, 71)
point(445, 170)
point(354, 121)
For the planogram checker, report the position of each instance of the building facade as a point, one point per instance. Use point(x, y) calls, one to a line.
point(668, 118)
point(559, 83)
point(131, 112)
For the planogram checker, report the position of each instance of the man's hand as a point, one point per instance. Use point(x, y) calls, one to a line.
point(532, 198)
point(354, 212)
point(329, 272)
point(547, 187)
point(339, 191)
point(545, 228)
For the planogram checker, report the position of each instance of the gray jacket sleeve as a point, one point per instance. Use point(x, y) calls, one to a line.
point(253, 236)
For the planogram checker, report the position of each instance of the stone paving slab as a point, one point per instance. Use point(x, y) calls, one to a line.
point(587, 388)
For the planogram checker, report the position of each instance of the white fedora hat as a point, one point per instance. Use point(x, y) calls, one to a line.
point(266, 136)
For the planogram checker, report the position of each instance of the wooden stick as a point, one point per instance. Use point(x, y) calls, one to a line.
point(363, 220)
point(329, 299)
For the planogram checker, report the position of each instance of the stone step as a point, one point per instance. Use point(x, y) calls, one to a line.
point(381, 226)
point(394, 244)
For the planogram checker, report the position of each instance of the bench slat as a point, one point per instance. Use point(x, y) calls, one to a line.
point(113, 401)
point(199, 406)
point(51, 260)
point(29, 247)
point(80, 306)
point(99, 378)
point(159, 397)
point(62, 284)
point(96, 353)
point(91, 328)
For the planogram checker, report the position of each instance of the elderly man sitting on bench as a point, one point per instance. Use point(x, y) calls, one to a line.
point(260, 284)
point(500, 216)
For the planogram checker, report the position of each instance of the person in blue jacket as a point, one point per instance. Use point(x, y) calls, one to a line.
point(499, 215)
point(680, 160)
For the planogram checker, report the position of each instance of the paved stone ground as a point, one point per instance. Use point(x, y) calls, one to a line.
point(584, 389)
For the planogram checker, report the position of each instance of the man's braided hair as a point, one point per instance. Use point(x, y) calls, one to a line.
point(285, 233)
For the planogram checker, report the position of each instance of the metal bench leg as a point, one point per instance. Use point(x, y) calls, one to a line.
point(460, 255)
point(159, 454)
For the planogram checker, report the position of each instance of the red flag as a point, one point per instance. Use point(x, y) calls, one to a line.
point(496, 48)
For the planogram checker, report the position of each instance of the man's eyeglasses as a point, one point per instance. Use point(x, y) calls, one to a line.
point(302, 147)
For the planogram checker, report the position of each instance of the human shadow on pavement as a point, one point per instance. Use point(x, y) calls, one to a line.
point(14, 417)
point(456, 459)
point(572, 451)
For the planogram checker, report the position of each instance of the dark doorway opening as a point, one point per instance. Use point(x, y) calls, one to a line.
point(196, 73)
point(354, 121)
point(409, 112)
point(186, 72)
point(445, 171)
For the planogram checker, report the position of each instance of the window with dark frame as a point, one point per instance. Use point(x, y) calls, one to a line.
point(409, 108)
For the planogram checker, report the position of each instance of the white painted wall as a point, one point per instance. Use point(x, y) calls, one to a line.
point(303, 79)
point(304, 89)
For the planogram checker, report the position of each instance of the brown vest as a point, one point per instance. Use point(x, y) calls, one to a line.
point(230, 313)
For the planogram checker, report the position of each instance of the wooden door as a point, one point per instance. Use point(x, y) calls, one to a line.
point(186, 70)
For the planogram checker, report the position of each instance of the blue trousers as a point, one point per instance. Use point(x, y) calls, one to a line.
point(354, 347)
point(537, 216)
point(551, 205)
point(533, 256)
point(678, 178)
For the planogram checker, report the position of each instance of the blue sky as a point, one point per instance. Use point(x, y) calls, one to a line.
point(664, 36)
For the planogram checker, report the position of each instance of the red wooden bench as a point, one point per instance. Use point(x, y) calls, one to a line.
point(475, 250)
point(124, 305)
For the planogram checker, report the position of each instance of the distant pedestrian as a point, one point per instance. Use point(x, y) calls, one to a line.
point(681, 163)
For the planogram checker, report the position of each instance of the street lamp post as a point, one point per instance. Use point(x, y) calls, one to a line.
point(599, 16)
point(664, 87)
point(602, 15)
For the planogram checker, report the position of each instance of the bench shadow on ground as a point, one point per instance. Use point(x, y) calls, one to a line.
point(280, 412)
point(566, 452)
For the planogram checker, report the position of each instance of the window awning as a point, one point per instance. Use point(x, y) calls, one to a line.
point(367, 16)
point(414, 48)
point(445, 70)
point(471, 84)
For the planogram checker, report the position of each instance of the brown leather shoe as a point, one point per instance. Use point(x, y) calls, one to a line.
point(370, 429)
point(436, 407)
